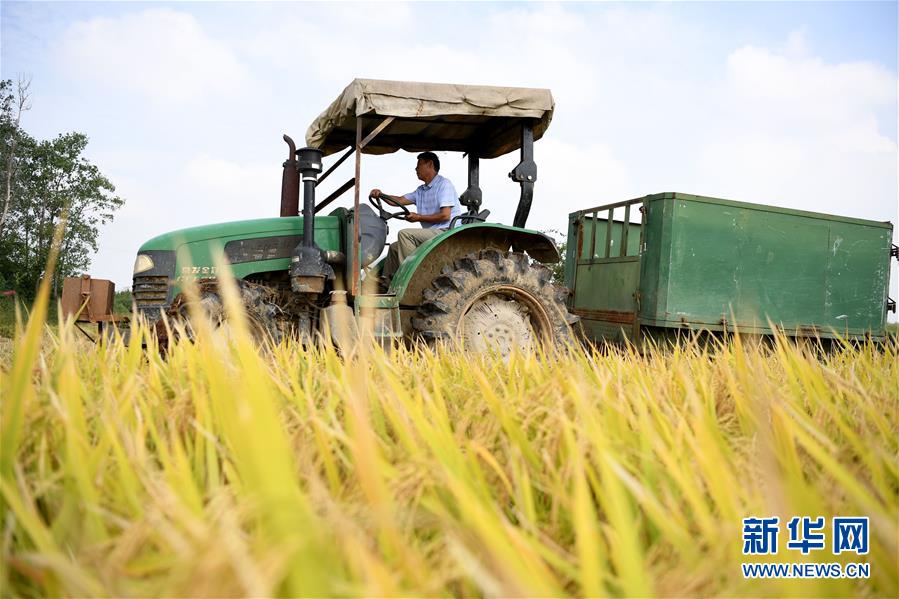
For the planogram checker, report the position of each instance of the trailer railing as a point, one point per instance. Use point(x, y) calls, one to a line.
point(608, 231)
point(606, 214)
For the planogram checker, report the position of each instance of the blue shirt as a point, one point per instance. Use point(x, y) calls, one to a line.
point(430, 198)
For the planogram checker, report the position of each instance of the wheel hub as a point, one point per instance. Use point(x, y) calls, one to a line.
point(498, 323)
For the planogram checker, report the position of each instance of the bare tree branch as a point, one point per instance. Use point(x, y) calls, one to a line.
point(23, 103)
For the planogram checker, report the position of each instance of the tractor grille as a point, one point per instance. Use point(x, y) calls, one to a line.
point(150, 291)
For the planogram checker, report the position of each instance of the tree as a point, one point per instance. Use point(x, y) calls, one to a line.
point(12, 107)
point(49, 182)
point(558, 269)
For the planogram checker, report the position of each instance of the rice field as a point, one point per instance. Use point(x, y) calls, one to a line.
point(225, 470)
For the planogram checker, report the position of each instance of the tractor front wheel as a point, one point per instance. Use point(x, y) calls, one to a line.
point(259, 309)
point(495, 301)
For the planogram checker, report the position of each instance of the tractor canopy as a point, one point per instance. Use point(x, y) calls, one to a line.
point(373, 116)
point(482, 120)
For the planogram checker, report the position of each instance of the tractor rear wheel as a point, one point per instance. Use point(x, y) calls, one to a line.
point(495, 301)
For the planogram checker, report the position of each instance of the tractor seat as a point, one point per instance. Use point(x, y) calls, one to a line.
point(373, 231)
point(469, 217)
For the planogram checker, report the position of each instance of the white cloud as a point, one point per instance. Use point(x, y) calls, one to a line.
point(215, 187)
point(796, 44)
point(162, 54)
point(380, 18)
point(799, 132)
point(539, 47)
point(794, 91)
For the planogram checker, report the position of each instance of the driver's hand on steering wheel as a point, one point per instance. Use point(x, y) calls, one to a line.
point(375, 193)
point(413, 217)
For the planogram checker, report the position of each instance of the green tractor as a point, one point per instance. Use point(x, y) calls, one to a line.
point(313, 274)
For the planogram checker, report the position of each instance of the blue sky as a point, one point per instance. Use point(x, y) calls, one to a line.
point(785, 103)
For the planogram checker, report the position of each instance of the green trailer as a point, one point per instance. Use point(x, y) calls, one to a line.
point(672, 262)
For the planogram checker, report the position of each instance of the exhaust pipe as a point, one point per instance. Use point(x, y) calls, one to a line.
point(309, 166)
point(308, 269)
point(290, 182)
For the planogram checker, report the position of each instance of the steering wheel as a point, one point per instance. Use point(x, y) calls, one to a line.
point(377, 202)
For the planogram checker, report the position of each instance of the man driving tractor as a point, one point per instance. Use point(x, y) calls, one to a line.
point(436, 204)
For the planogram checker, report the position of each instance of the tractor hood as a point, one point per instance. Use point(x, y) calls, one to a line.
point(249, 246)
point(260, 227)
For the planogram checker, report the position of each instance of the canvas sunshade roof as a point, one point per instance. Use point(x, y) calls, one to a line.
point(484, 120)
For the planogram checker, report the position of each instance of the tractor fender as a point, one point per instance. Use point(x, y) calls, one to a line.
point(422, 266)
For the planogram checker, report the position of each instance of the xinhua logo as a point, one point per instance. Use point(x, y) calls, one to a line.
point(806, 535)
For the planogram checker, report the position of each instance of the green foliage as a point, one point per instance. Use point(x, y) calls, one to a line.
point(8, 306)
point(7, 316)
point(558, 269)
point(121, 304)
point(48, 181)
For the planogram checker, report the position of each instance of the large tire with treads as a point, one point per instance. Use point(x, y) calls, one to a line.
point(259, 309)
point(495, 301)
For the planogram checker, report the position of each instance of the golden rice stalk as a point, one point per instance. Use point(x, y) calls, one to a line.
point(225, 468)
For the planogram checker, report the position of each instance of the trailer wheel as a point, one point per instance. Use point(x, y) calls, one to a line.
point(495, 301)
point(261, 312)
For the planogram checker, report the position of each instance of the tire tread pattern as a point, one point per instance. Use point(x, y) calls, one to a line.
point(451, 291)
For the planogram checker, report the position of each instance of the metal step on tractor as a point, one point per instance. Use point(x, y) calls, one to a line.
point(308, 272)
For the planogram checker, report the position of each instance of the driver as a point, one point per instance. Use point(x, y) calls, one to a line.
point(436, 204)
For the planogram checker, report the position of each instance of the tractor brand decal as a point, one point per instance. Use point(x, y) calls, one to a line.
point(192, 273)
point(197, 270)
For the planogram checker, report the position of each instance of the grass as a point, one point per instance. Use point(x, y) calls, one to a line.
point(8, 316)
point(224, 470)
point(121, 306)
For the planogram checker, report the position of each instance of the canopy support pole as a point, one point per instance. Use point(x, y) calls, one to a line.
point(525, 174)
point(337, 193)
point(377, 130)
point(471, 197)
point(354, 261)
point(335, 165)
point(357, 240)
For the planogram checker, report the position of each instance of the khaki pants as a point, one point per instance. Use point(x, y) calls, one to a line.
point(406, 242)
